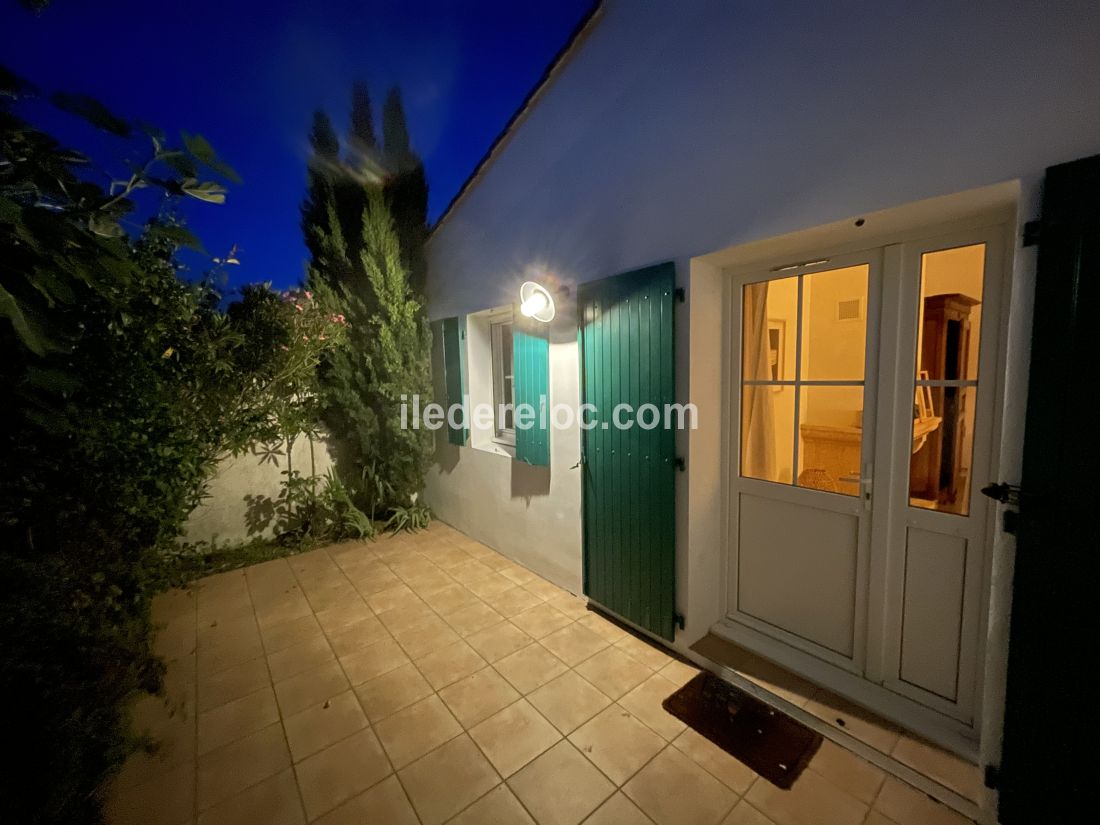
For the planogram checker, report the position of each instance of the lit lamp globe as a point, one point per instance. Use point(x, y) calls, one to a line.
point(535, 302)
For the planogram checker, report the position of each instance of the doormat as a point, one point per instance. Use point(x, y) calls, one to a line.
point(768, 741)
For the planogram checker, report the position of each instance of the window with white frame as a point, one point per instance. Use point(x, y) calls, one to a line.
point(504, 397)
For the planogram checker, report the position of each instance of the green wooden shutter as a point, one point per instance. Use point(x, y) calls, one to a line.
point(531, 380)
point(626, 340)
point(454, 366)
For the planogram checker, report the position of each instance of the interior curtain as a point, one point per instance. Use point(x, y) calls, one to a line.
point(757, 417)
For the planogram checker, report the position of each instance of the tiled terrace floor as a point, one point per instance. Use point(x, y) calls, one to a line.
point(426, 679)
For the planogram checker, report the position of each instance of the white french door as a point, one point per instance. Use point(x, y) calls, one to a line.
point(861, 431)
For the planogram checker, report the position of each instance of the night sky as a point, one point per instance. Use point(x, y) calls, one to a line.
point(247, 75)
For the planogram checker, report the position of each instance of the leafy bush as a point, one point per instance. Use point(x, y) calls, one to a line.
point(123, 385)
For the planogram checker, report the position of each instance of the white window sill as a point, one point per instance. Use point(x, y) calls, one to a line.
point(495, 448)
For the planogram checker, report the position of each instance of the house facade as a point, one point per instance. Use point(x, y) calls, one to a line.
point(807, 221)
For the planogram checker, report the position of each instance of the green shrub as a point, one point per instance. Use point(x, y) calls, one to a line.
point(122, 387)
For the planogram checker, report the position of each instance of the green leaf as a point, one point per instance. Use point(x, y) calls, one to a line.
point(200, 147)
point(205, 191)
point(92, 111)
point(32, 337)
point(105, 226)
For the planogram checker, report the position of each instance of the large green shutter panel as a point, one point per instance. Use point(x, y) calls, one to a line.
point(454, 363)
point(626, 341)
point(531, 382)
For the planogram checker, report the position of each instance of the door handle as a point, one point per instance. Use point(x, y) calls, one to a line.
point(1005, 493)
point(866, 485)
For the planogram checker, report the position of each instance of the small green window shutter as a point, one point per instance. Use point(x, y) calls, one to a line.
point(531, 380)
point(454, 366)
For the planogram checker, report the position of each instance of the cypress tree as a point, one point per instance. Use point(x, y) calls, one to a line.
point(406, 190)
point(322, 170)
point(387, 357)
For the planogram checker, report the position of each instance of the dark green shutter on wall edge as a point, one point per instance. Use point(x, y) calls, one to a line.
point(626, 344)
point(454, 363)
point(531, 383)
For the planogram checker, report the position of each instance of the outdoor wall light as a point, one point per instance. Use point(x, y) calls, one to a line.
point(535, 302)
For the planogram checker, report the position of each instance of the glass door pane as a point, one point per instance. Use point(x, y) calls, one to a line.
point(946, 383)
point(803, 353)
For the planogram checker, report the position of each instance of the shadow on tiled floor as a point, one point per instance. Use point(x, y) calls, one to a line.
point(426, 679)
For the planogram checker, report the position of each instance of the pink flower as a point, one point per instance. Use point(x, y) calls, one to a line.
point(305, 337)
point(284, 347)
point(298, 307)
point(309, 295)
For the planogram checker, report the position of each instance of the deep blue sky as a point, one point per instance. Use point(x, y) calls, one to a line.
point(248, 75)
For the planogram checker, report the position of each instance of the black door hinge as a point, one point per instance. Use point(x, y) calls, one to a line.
point(680, 294)
point(992, 776)
point(1003, 492)
point(1032, 230)
point(678, 620)
point(681, 465)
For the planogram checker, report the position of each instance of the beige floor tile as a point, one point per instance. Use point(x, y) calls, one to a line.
point(498, 641)
point(673, 790)
point(393, 598)
point(529, 668)
point(316, 728)
point(512, 737)
point(450, 598)
point(575, 607)
point(679, 673)
point(475, 617)
point(602, 627)
point(745, 814)
point(862, 724)
point(384, 804)
point(337, 594)
point(645, 701)
point(232, 768)
point(613, 672)
point(233, 683)
point(298, 658)
point(390, 692)
point(227, 631)
point(498, 807)
point(648, 654)
point(568, 701)
point(374, 581)
point(573, 644)
point(617, 743)
point(291, 606)
point(906, 805)
point(215, 658)
point(357, 636)
point(516, 573)
point(281, 636)
point(374, 660)
point(561, 787)
point(407, 616)
point(544, 589)
point(514, 600)
point(274, 801)
point(478, 696)
point(310, 688)
point(470, 570)
point(847, 771)
point(341, 772)
point(447, 666)
point(422, 639)
point(540, 621)
point(812, 800)
point(875, 818)
point(343, 616)
point(428, 581)
point(618, 810)
point(490, 587)
point(447, 780)
point(949, 770)
point(410, 733)
point(168, 798)
point(235, 720)
point(734, 774)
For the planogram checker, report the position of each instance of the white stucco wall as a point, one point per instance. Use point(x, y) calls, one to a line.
point(678, 129)
point(222, 516)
